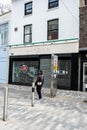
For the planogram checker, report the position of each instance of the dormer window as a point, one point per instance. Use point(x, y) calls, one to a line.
point(52, 3)
point(28, 8)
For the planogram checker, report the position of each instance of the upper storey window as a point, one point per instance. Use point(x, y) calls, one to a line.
point(4, 34)
point(28, 8)
point(53, 29)
point(85, 2)
point(27, 33)
point(53, 3)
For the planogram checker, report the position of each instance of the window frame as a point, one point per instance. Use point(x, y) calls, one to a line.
point(50, 30)
point(29, 34)
point(4, 34)
point(29, 9)
point(85, 2)
point(55, 4)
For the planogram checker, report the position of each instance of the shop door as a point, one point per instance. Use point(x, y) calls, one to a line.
point(64, 74)
point(84, 76)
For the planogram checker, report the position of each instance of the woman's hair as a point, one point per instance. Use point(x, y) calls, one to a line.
point(40, 72)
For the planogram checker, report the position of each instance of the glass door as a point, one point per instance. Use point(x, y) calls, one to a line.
point(84, 76)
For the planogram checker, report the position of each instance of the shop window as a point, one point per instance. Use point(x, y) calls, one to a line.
point(53, 29)
point(28, 8)
point(27, 33)
point(4, 34)
point(24, 71)
point(52, 3)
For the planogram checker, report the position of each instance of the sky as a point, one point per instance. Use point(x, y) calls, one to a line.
point(5, 1)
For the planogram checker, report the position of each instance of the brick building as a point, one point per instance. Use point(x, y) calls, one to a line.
point(83, 45)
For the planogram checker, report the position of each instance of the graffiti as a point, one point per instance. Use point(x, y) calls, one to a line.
point(24, 68)
point(25, 73)
point(17, 70)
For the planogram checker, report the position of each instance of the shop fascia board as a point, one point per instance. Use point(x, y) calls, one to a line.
point(47, 48)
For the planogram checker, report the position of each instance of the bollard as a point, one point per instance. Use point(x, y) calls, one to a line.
point(5, 103)
point(51, 89)
point(32, 99)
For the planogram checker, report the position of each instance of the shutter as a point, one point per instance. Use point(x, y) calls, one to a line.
point(45, 66)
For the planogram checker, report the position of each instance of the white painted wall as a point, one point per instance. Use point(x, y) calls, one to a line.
point(67, 12)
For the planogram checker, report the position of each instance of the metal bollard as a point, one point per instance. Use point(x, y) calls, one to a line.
point(5, 103)
point(32, 99)
point(51, 89)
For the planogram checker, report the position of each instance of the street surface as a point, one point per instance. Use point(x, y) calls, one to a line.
point(66, 111)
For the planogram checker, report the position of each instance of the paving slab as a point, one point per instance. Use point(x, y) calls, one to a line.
point(66, 111)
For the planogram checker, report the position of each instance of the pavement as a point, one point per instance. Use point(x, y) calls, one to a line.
point(66, 111)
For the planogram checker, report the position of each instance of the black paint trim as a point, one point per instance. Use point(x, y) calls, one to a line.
point(74, 72)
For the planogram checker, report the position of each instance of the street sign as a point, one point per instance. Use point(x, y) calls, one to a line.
point(55, 63)
point(54, 70)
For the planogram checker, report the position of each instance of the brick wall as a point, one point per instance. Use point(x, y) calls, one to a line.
point(83, 27)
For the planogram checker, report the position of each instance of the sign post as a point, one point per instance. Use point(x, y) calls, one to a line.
point(54, 69)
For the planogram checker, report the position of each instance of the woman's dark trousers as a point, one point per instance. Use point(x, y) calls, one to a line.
point(39, 92)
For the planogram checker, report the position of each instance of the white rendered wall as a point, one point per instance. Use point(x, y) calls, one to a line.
point(59, 48)
point(67, 13)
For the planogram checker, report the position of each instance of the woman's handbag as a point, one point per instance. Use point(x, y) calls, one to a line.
point(39, 83)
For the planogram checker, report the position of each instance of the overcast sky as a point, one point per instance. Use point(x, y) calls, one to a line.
point(5, 1)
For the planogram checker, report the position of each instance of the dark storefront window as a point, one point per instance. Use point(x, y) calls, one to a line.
point(24, 71)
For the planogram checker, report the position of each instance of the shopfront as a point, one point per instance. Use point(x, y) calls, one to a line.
point(23, 70)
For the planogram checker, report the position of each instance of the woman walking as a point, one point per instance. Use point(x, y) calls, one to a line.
point(39, 83)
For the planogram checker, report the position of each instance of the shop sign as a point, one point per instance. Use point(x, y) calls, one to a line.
point(55, 64)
